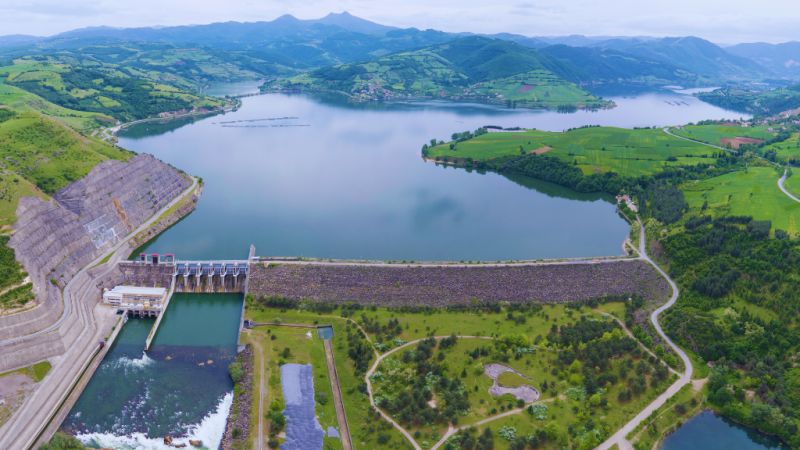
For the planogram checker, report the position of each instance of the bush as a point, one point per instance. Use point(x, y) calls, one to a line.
point(235, 369)
point(680, 408)
point(236, 432)
point(273, 443)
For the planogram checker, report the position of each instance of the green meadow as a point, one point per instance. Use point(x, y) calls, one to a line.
point(752, 193)
point(595, 150)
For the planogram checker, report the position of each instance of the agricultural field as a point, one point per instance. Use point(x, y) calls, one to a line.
point(454, 371)
point(720, 135)
point(752, 193)
point(788, 149)
point(99, 89)
point(271, 344)
point(594, 149)
point(39, 155)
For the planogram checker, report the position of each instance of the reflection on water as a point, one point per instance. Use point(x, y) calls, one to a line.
point(353, 185)
point(181, 387)
point(707, 431)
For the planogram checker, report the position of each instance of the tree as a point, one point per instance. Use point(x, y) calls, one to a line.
point(595, 400)
point(236, 372)
point(659, 351)
point(575, 367)
point(553, 431)
point(62, 441)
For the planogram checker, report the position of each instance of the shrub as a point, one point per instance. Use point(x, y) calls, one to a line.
point(235, 369)
point(273, 443)
point(236, 432)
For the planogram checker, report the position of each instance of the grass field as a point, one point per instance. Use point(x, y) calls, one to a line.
point(303, 350)
point(562, 407)
point(755, 193)
point(596, 150)
point(789, 149)
point(713, 133)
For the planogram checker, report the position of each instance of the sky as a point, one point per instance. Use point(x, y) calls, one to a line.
point(727, 22)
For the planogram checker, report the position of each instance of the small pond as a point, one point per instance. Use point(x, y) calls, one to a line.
point(707, 431)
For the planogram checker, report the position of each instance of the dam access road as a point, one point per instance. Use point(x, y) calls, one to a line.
point(27, 425)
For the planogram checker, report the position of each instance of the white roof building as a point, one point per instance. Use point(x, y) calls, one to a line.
point(136, 298)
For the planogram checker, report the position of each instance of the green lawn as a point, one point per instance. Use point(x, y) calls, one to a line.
point(598, 149)
point(755, 193)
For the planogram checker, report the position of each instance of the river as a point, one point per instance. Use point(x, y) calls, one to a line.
point(333, 179)
point(180, 387)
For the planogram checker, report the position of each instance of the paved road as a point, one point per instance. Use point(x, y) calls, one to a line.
point(780, 185)
point(619, 437)
point(67, 289)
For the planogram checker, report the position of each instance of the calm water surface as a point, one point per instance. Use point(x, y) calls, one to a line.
point(706, 431)
point(180, 387)
point(350, 182)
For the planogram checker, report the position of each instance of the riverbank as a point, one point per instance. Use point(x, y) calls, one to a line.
point(237, 430)
point(555, 106)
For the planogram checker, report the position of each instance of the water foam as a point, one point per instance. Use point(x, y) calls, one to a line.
point(141, 363)
point(209, 431)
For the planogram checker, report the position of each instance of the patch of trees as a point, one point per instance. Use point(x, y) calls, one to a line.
point(11, 272)
point(6, 114)
point(410, 406)
point(135, 101)
point(360, 351)
point(582, 331)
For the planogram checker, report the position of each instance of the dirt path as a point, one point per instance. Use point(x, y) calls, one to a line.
point(261, 394)
point(344, 429)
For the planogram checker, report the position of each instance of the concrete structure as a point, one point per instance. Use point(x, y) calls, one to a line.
point(141, 301)
point(69, 246)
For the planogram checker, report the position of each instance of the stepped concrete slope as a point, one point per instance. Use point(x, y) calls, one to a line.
point(54, 240)
point(71, 247)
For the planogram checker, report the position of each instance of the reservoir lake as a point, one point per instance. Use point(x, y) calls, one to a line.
point(328, 178)
point(332, 179)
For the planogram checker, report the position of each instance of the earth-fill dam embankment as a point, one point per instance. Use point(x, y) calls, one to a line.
point(55, 239)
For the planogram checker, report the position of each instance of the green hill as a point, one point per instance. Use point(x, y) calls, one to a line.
point(39, 155)
point(603, 64)
point(740, 98)
point(472, 68)
point(105, 89)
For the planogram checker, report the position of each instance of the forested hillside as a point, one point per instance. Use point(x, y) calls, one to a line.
point(601, 64)
point(471, 67)
point(760, 103)
point(105, 89)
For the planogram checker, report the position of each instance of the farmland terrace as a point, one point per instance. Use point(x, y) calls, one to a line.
point(441, 286)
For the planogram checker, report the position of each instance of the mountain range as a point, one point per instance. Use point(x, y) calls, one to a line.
point(343, 38)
